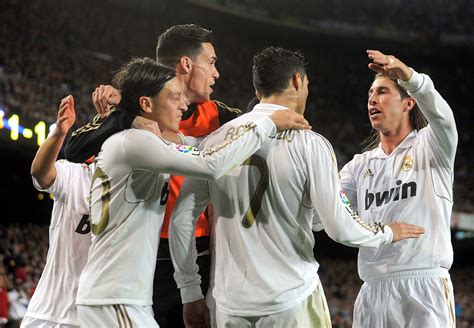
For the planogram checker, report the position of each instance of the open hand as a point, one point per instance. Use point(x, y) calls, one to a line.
point(389, 65)
point(404, 230)
point(66, 115)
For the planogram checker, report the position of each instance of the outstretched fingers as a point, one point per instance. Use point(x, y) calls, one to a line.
point(381, 62)
point(404, 230)
point(66, 114)
point(413, 231)
point(389, 65)
point(304, 124)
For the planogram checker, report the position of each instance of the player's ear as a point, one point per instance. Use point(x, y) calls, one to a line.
point(258, 95)
point(185, 64)
point(297, 81)
point(145, 104)
point(409, 103)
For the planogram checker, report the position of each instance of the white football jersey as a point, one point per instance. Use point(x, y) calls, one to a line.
point(69, 241)
point(265, 212)
point(414, 184)
point(128, 200)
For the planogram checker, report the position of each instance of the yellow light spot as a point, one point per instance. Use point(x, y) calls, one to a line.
point(27, 133)
point(14, 122)
point(2, 115)
point(40, 196)
point(40, 130)
point(51, 196)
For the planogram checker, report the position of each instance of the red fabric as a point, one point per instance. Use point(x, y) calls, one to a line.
point(204, 120)
point(4, 304)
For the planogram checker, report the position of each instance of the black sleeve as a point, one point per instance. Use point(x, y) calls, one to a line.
point(86, 141)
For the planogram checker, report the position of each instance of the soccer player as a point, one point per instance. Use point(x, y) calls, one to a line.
point(54, 301)
point(265, 270)
point(189, 49)
point(129, 191)
point(405, 174)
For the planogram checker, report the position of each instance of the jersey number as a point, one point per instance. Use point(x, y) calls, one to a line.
point(105, 198)
point(256, 201)
point(84, 227)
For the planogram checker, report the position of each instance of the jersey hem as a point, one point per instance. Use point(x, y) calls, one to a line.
point(33, 315)
point(410, 274)
point(271, 309)
point(112, 302)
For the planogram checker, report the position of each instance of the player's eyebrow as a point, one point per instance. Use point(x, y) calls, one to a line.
point(379, 88)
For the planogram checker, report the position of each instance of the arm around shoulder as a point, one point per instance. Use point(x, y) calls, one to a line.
point(87, 140)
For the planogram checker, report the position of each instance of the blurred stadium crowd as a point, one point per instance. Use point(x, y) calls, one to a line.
point(52, 48)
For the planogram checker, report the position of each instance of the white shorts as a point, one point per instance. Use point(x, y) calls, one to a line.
point(408, 302)
point(29, 322)
point(119, 315)
point(312, 312)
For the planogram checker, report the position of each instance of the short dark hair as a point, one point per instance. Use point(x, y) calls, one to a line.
point(179, 41)
point(273, 67)
point(140, 77)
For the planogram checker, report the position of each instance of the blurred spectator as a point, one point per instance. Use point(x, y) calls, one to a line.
point(18, 300)
point(4, 302)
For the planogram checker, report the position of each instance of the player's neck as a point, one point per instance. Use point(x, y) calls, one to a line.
point(282, 99)
point(390, 141)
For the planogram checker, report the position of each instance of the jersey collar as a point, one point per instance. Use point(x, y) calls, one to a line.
point(406, 143)
point(266, 106)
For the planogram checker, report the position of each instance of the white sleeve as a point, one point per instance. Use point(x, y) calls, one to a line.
point(192, 200)
point(348, 184)
point(442, 126)
point(71, 185)
point(340, 222)
point(147, 151)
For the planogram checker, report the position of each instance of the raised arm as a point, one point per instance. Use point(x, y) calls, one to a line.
point(42, 167)
point(86, 141)
point(442, 126)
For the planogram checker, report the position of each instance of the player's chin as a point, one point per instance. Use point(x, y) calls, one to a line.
point(376, 125)
point(207, 95)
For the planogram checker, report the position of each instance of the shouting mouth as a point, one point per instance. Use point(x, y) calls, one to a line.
point(374, 112)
